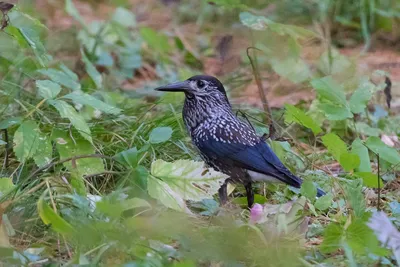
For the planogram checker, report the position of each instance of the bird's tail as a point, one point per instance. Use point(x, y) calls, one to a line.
point(320, 192)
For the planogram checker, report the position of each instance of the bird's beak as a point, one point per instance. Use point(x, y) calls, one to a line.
point(175, 87)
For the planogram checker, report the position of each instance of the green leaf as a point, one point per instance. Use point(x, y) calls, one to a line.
point(260, 23)
point(124, 17)
point(157, 42)
point(294, 114)
point(365, 129)
point(360, 98)
point(369, 179)
point(5, 124)
point(332, 238)
point(358, 148)
point(92, 71)
point(355, 197)
point(44, 151)
point(50, 217)
point(68, 148)
point(48, 89)
point(160, 135)
point(6, 185)
point(188, 179)
point(384, 151)
point(361, 238)
point(333, 99)
point(335, 145)
point(68, 112)
point(26, 140)
point(336, 113)
point(162, 191)
point(85, 99)
point(349, 161)
point(328, 89)
point(130, 157)
point(61, 78)
point(324, 202)
point(33, 40)
point(308, 189)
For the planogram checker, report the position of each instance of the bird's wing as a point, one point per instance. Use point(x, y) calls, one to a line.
point(259, 158)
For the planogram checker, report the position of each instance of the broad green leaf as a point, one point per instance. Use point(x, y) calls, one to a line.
point(332, 97)
point(44, 151)
point(260, 23)
point(333, 235)
point(68, 148)
point(308, 189)
point(333, 62)
point(162, 191)
point(365, 129)
point(292, 68)
point(355, 197)
point(124, 17)
point(69, 72)
point(362, 239)
point(188, 179)
point(68, 112)
point(160, 135)
point(358, 148)
point(92, 71)
point(26, 140)
point(50, 217)
point(33, 40)
point(328, 89)
point(130, 157)
point(335, 113)
point(359, 99)
point(6, 184)
point(48, 89)
point(294, 114)
point(335, 145)
point(85, 99)
point(369, 179)
point(158, 42)
point(324, 202)
point(5, 124)
point(384, 151)
point(61, 78)
point(349, 161)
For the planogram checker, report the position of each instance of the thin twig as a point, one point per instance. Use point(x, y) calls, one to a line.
point(379, 184)
point(266, 107)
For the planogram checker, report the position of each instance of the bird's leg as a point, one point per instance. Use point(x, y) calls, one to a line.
point(223, 193)
point(250, 194)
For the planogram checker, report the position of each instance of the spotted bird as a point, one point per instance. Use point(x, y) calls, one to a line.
point(226, 143)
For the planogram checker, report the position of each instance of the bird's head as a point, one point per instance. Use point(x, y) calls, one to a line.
point(199, 87)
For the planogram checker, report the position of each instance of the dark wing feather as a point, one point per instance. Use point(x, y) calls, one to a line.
point(259, 158)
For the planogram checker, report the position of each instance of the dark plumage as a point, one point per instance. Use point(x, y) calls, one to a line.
point(226, 143)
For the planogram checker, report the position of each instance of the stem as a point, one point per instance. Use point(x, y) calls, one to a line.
point(266, 107)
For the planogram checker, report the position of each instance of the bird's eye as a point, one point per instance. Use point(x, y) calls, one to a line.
point(200, 84)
